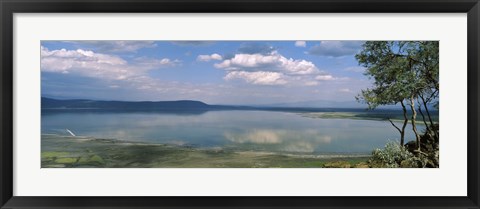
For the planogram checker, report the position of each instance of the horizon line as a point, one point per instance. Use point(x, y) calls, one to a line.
point(391, 107)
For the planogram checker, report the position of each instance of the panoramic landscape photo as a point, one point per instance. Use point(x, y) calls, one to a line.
point(239, 104)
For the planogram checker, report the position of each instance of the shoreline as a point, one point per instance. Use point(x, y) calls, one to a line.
point(88, 152)
point(353, 116)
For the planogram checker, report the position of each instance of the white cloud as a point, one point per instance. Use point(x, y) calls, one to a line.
point(324, 78)
point(84, 62)
point(271, 62)
point(300, 43)
point(207, 58)
point(151, 63)
point(260, 78)
point(98, 65)
point(272, 69)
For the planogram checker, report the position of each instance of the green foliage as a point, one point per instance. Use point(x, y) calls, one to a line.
point(374, 57)
point(400, 70)
point(403, 72)
point(395, 156)
point(429, 143)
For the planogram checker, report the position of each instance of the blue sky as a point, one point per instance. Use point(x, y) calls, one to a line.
point(215, 72)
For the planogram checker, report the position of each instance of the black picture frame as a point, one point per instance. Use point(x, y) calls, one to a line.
point(9, 7)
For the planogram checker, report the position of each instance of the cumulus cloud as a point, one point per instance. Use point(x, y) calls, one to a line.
point(260, 78)
point(300, 43)
point(98, 65)
point(335, 48)
point(271, 62)
point(150, 63)
point(207, 58)
point(271, 69)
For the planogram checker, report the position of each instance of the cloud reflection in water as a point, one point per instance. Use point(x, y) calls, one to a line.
point(305, 141)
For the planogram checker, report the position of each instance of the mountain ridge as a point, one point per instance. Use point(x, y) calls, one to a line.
point(49, 103)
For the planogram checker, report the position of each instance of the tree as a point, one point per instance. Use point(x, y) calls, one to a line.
point(426, 58)
point(388, 72)
point(405, 73)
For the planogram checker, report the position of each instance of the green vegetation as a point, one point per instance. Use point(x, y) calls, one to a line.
point(66, 160)
point(405, 73)
point(78, 152)
point(51, 155)
point(92, 160)
point(394, 156)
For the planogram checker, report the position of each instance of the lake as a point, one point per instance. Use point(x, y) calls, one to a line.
point(269, 131)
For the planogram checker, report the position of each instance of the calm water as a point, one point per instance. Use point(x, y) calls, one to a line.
point(242, 130)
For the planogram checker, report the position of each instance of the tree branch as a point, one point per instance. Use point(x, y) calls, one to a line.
point(398, 129)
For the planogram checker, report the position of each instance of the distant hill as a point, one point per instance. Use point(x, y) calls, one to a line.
point(48, 103)
point(182, 106)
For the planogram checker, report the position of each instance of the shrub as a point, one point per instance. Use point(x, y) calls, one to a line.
point(429, 144)
point(394, 156)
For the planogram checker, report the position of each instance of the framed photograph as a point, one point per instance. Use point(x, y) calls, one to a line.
point(234, 104)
